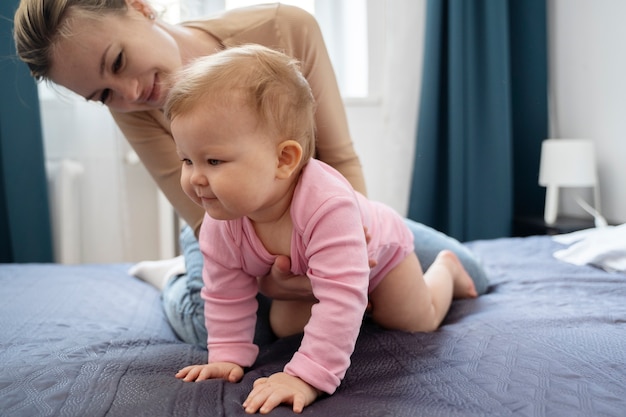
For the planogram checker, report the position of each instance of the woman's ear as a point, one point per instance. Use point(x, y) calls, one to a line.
point(142, 7)
point(289, 157)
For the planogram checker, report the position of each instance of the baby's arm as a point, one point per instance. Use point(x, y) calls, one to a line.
point(231, 372)
point(279, 388)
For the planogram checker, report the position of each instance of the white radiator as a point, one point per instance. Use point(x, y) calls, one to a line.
point(168, 222)
point(64, 185)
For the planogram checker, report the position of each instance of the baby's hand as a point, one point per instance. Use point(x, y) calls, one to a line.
point(268, 393)
point(224, 370)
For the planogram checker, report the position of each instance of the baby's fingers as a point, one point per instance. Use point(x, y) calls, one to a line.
point(196, 373)
point(265, 397)
point(262, 400)
point(299, 403)
point(259, 381)
point(235, 374)
point(183, 372)
point(224, 370)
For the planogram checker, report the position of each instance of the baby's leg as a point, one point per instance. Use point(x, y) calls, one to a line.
point(289, 317)
point(411, 301)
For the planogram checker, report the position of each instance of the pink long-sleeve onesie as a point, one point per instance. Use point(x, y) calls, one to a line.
point(328, 245)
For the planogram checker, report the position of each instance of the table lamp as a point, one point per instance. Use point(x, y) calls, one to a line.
point(566, 163)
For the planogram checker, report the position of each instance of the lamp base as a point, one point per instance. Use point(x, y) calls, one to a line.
point(552, 204)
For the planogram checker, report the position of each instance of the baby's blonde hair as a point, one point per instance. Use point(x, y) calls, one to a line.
point(269, 82)
point(38, 24)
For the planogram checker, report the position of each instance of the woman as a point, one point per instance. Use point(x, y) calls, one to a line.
point(119, 53)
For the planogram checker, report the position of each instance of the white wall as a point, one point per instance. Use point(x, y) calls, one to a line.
point(587, 73)
point(383, 128)
point(588, 88)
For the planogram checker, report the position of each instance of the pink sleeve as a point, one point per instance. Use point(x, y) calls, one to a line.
point(338, 268)
point(229, 297)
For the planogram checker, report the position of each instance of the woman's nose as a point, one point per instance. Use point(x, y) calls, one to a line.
point(128, 90)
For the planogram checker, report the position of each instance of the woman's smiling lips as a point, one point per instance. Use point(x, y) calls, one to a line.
point(152, 95)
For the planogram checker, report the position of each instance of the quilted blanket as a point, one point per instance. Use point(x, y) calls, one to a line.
point(548, 339)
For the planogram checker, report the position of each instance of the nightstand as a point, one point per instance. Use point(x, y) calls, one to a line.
point(535, 225)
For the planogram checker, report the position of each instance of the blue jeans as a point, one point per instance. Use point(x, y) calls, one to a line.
point(429, 242)
point(184, 307)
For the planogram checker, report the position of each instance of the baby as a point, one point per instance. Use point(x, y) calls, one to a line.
point(243, 123)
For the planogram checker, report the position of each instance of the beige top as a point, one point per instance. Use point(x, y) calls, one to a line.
point(285, 28)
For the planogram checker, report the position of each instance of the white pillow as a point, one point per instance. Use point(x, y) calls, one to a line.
point(603, 247)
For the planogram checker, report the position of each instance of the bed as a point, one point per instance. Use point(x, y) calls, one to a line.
point(548, 339)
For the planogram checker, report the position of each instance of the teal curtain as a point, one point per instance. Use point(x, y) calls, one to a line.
point(25, 233)
point(483, 115)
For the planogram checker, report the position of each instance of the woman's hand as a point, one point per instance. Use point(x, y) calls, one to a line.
point(231, 372)
point(279, 388)
point(368, 239)
point(281, 284)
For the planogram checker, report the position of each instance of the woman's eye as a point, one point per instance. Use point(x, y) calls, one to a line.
point(214, 162)
point(105, 95)
point(115, 68)
point(117, 64)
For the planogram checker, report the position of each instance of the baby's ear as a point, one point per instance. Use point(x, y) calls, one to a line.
point(289, 157)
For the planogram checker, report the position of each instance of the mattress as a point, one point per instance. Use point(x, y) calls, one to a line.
point(548, 339)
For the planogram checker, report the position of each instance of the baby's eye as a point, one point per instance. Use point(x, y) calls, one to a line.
point(186, 161)
point(214, 162)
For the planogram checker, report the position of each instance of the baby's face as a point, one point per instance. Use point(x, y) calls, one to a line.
point(229, 163)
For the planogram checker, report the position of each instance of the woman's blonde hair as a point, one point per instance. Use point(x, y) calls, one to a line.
point(269, 82)
point(38, 24)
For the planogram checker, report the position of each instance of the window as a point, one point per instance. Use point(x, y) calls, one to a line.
point(344, 24)
point(168, 10)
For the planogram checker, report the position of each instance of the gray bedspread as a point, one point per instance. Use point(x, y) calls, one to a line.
point(548, 339)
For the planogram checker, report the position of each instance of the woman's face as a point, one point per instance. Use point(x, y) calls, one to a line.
point(122, 61)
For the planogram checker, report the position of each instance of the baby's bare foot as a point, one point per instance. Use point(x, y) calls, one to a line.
point(463, 283)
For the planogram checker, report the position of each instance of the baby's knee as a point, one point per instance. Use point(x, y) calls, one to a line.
point(289, 317)
point(405, 323)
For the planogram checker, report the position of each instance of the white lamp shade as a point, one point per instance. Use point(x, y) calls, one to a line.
point(567, 163)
